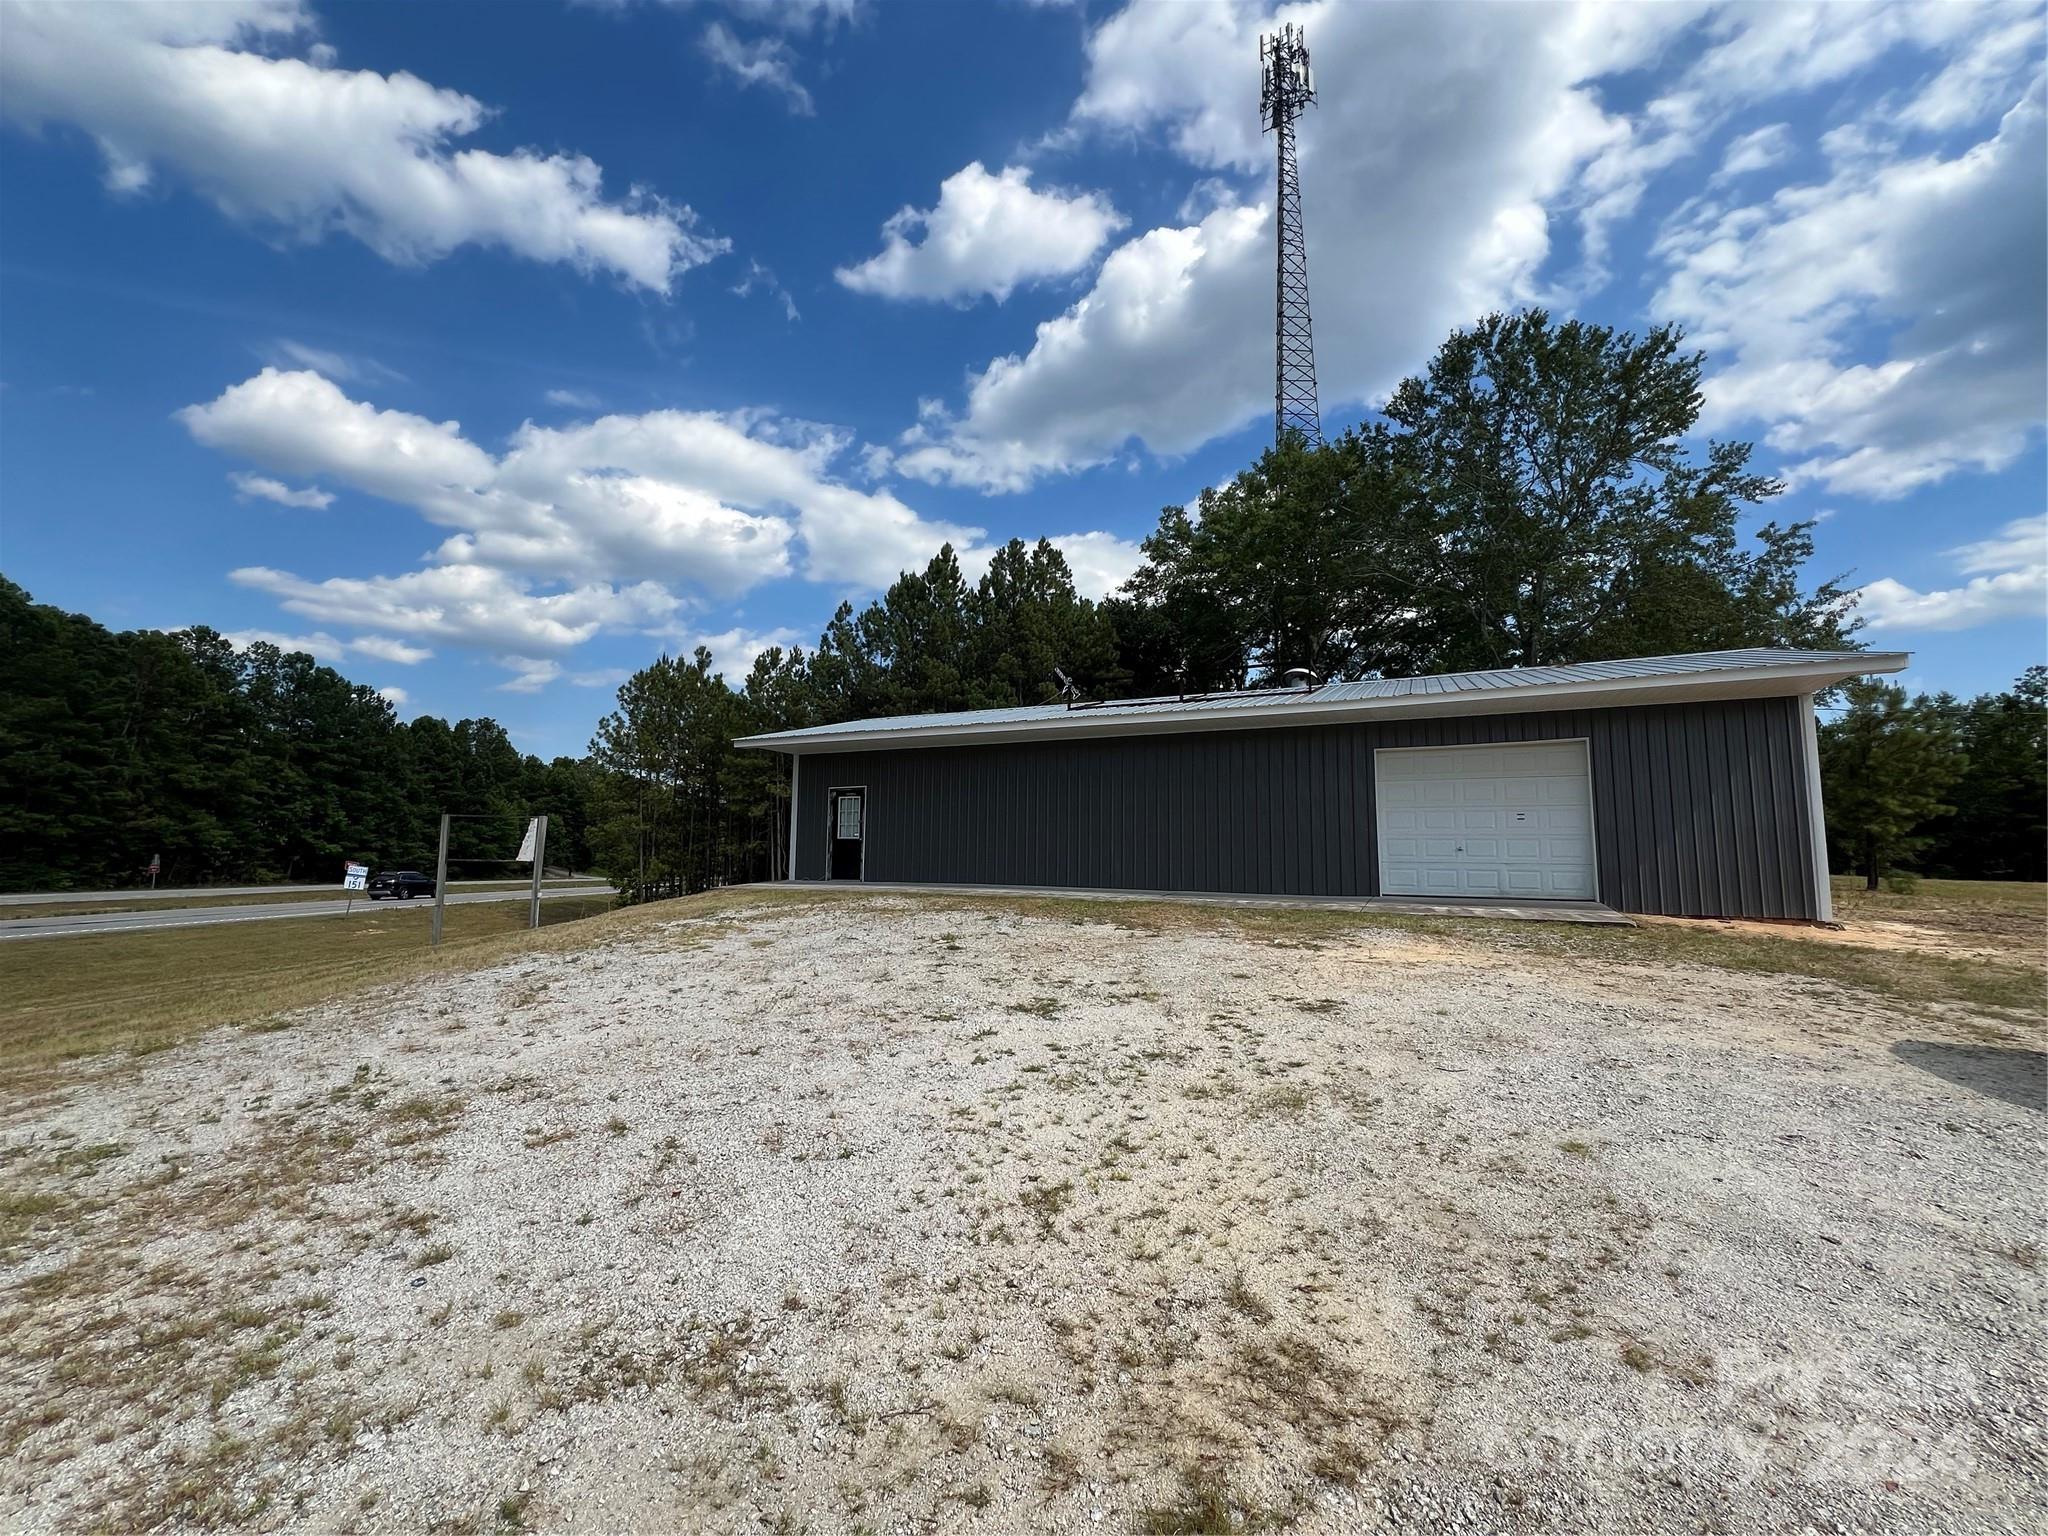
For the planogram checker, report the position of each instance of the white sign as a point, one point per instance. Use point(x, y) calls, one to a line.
point(355, 877)
point(525, 855)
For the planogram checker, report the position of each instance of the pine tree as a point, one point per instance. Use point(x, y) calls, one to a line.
point(1885, 766)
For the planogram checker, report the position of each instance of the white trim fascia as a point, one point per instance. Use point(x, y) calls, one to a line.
point(796, 764)
point(1798, 680)
point(1823, 891)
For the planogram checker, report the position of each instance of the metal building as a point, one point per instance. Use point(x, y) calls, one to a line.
point(1683, 785)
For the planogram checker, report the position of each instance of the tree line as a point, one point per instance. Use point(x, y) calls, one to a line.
point(1530, 498)
point(239, 766)
point(1936, 784)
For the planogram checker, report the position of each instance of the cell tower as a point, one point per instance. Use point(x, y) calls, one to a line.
point(1286, 87)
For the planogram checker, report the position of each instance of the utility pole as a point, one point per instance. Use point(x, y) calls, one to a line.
point(1286, 89)
point(441, 880)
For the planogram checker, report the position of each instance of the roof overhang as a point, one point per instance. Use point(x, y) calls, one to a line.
point(1751, 682)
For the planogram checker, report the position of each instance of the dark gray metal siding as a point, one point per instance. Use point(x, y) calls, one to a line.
point(1699, 810)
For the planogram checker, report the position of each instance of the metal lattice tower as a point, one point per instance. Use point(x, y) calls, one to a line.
point(1286, 87)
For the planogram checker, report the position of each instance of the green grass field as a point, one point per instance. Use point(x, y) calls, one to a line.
point(78, 996)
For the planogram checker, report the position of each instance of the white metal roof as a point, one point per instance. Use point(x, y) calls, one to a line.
point(1641, 680)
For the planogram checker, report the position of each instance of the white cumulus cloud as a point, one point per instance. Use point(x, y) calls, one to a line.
point(2008, 580)
point(209, 96)
point(619, 510)
point(302, 424)
point(1100, 562)
point(987, 235)
point(322, 646)
point(265, 488)
point(1943, 255)
point(1425, 179)
point(530, 673)
point(385, 648)
point(733, 651)
point(1444, 160)
point(466, 605)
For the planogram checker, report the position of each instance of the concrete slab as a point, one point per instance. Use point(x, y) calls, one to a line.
point(1516, 911)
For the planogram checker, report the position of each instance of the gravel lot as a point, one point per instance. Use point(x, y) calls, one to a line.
point(910, 1215)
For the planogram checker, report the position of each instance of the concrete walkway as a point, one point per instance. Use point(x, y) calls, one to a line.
point(1519, 911)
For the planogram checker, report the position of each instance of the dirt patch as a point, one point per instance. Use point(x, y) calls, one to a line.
point(893, 1214)
point(1897, 937)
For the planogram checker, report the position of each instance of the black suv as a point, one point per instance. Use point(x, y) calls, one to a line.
point(401, 883)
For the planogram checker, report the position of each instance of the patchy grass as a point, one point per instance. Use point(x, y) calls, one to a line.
point(1169, 1247)
point(1045, 1202)
point(141, 992)
point(2002, 924)
point(2009, 917)
point(1980, 911)
point(1246, 1302)
point(2010, 986)
point(144, 991)
point(1205, 1507)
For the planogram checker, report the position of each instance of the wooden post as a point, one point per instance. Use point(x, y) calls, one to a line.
point(440, 880)
point(540, 857)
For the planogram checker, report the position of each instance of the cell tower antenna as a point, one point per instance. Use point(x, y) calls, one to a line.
point(1286, 88)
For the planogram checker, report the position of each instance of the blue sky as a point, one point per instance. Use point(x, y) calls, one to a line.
point(488, 351)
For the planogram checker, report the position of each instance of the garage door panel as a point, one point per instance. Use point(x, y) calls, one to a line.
point(1504, 820)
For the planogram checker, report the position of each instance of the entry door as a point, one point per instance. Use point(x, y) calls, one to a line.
point(1513, 820)
point(849, 832)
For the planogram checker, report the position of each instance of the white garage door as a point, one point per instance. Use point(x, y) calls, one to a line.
point(1486, 821)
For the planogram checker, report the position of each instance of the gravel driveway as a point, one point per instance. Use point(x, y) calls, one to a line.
point(908, 1215)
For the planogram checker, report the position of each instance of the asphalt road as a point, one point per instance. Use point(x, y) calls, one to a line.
point(37, 898)
point(192, 917)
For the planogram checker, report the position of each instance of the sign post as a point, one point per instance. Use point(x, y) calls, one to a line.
point(156, 864)
point(534, 847)
point(440, 880)
point(354, 877)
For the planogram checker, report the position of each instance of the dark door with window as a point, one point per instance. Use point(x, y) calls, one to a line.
point(849, 828)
